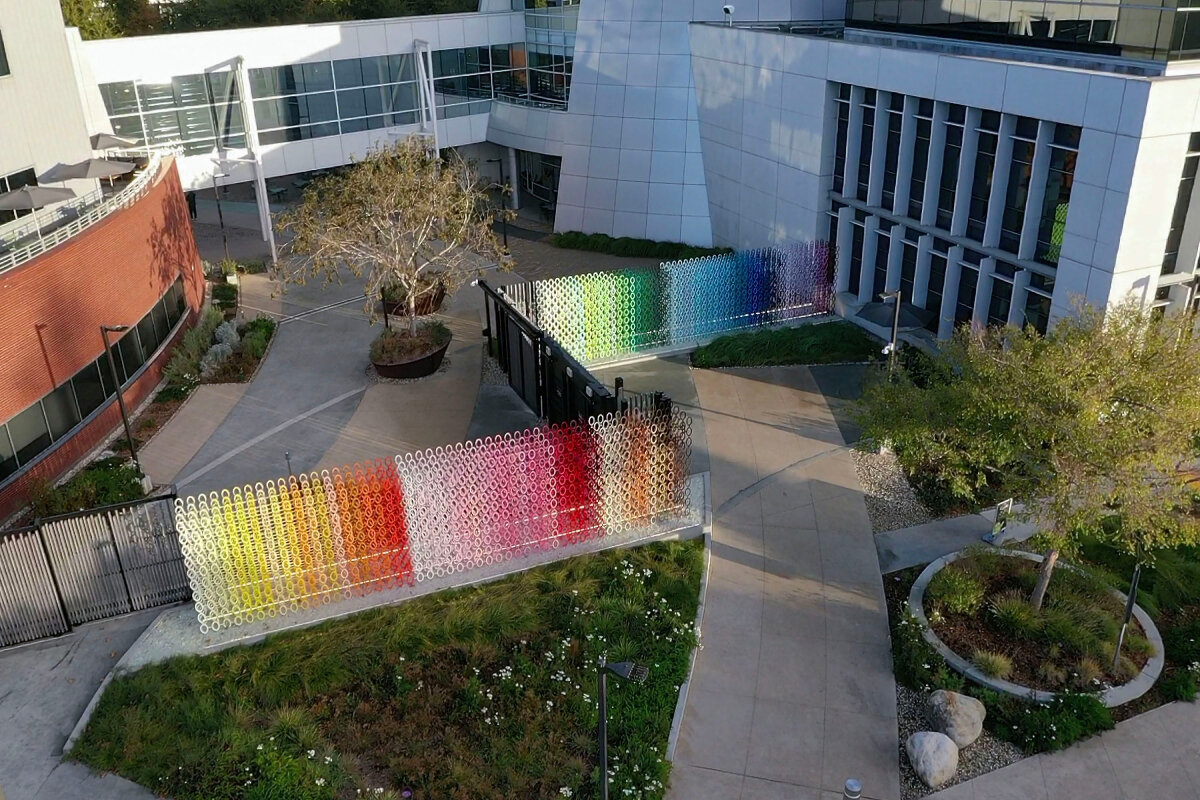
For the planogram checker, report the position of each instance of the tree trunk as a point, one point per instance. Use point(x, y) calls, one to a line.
point(1043, 582)
point(412, 313)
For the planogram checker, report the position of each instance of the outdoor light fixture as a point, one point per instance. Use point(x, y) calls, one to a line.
point(630, 672)
point(105, 330)
point(890, 349)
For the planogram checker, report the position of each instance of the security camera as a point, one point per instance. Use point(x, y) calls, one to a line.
point(728, 12)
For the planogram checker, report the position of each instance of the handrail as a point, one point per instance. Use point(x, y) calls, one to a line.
point(136, 189)
point(11, 232)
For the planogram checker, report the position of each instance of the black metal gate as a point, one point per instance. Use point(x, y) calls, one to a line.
point(550, 381)
point(75, 568)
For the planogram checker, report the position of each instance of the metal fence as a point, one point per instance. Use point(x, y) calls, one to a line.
point(297, 543)
point(75, 568)
point(604, 316)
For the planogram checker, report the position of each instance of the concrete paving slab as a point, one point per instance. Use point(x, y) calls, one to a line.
point(44, 687)
point(718, 734)
point(787, 742)
point(862, 746)
point(499, 410)
point(705, 784)
point(760, 789)
point(181, 438)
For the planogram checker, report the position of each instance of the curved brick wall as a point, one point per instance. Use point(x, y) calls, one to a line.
point(51, 310)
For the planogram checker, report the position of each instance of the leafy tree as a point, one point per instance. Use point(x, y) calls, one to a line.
point(1093, 426)
point(401, 217)
point(94, 19)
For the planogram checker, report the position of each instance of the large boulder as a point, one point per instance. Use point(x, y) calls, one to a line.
point(958, 716)
point(934, 757)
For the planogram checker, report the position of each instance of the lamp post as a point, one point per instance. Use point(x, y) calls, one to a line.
point(503, 194)
point(895, 296)
point(220, 216)
point(112, 368)
point(630, 672)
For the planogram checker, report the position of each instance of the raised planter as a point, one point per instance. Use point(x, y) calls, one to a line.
point(428, 304)
point(1112, 697)
point(417, 368)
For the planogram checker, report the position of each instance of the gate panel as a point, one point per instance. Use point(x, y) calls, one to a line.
point(85, 559)
point(148, 545)
point(29, 607)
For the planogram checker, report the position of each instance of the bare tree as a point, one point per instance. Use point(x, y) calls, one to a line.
point(401, 217)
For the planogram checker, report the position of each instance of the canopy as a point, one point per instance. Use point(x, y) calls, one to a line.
point(881, 314)
point(106, 141)
point(88, 168)
point(29, 197)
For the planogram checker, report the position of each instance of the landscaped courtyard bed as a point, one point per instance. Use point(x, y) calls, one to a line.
point(484, 692)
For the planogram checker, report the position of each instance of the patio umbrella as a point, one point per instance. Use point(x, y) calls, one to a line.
point(31, 198)
point(88, 168)
point(911, 317)
point(106, 141)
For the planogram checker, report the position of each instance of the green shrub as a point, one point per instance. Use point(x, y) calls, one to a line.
point(183, 370)
point(170, 392)
point(260, 324)
point(254, 344)
point(1087, 674)
point(102, 483)
point(994, 665)
point(825, 343)
point(1178, 684)
point(921, 368)
point(1182, 643)
point(1013, 615)
point(631, 248)
point(1138, 645)
point(224, 295)
point(1037, 728)
point(1052, 673)
point(954, 590)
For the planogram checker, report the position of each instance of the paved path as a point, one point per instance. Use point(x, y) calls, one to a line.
point(1154, 755)
point(920, 544)
point(43, 690)
point(793, 690)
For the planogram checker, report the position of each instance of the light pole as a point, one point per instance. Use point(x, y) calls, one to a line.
point(630, 672)
point(220, 216)
point(895, 296)
point(503, 194)
point(112, 368)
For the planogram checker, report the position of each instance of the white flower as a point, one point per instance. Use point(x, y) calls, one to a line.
point(259, 747)
point(312, 753)
point(320, 781)
point(565, 791)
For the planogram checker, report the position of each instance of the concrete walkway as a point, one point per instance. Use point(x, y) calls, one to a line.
point(920, 544)
point(1154, 755)
point(793, 690)
point(43, 690)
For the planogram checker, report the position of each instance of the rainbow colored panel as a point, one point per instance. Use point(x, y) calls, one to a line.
point(296, 543)
point(601, 316)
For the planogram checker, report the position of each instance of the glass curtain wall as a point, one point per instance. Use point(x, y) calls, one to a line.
point(193, 112)
point(550, 27)
point(1183, 202)
point(1064, 147)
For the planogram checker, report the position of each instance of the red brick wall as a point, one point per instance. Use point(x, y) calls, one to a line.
point(51, 310)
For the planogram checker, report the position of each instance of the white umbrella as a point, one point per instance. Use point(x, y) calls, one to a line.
point(32, 198)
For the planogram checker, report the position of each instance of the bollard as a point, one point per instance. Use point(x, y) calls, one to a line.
point(853, 790)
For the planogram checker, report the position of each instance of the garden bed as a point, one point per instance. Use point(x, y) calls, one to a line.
point(978, 607)
point(821, 343)
point(480, 692)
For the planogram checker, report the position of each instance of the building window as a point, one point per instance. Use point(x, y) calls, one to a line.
point(539, 176)
point(4, 70)
point(981, 183)
point(937, 284)
point(908, 269)
point(950, 157)
point(1037, 301)
point(1017, 195)
point(924, 127)
point(1056, 201)
point(964, 307)
point(865, 144)
point(882, 246)
point(1002, 291)
point(1183, 201)
point(26, 436)
point(843, 132)
point(196, 113)
point(891, 160)
point(857, 241)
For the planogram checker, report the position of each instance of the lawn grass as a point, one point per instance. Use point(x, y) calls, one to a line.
point(826, 343)
point(488, 692)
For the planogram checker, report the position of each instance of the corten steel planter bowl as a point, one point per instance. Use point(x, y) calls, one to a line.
point(426, 305)
point(417, 368)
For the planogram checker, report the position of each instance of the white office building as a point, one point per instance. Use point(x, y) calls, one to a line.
point(992, 161)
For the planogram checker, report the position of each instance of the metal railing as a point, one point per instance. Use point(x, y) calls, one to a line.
point(88, 216)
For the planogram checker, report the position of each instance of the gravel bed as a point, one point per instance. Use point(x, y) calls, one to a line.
point(891, 501)
point(986, 754)
point(375, 377)
point(493, 375)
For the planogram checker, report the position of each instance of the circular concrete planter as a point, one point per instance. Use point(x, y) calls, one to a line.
point(1112, 697)
point(417, 368)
